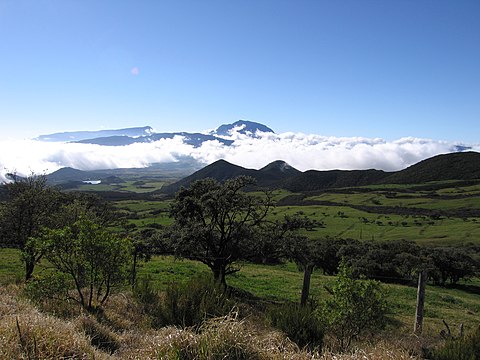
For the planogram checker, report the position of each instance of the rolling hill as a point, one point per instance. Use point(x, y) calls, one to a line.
point(221, 170)
point(453, 166)
point(279, 174)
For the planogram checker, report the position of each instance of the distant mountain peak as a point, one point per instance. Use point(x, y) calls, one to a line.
point(69, 136)
point(128, 136)
point(243, 127)
point(279, 165)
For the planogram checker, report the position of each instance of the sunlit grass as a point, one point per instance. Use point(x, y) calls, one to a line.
point(278, 283)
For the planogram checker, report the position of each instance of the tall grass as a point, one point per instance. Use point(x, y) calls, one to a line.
point(42, 336)
point(26, 333)
point(464, 348)
point(300, 324)
point(184, 304)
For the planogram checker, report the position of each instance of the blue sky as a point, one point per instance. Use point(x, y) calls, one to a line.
point(384, 68)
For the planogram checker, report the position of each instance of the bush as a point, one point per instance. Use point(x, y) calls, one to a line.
point(92, 258)
point(51, 286)
point(467, 348)
point(186, 304)
point(356, 307)
point(299, 324)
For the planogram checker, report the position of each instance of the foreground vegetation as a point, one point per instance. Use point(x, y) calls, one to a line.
point(257, 287)
point(124, 333)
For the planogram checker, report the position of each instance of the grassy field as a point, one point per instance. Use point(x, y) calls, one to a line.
point(343, 221)
point(278, 283)
point(343, 212)
point(136, 186)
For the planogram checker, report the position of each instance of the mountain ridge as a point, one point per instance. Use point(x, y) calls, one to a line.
point(444, 167)
point(279, 174)
point(72, 136)
point(128, 136)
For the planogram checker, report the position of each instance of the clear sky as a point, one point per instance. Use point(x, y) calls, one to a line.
point(371, 68)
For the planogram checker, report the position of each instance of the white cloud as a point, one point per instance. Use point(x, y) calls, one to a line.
point(303, 151)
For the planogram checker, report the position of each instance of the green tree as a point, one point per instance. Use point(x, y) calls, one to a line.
point(217, 223)
point(356, 307)
point(298, 247)
point(452, 264)
point(31, 205)
point(94, 259)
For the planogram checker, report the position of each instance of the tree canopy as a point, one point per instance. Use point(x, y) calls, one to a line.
point(31, 205)
point(216, 223)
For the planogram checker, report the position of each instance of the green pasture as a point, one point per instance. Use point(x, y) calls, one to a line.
point(136, 186)
point(145, 213)
point(417, 199)
point(464, 190)
point(342, 220)
point(142, 206)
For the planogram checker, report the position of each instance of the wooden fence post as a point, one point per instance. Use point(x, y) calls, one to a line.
point(422, 280)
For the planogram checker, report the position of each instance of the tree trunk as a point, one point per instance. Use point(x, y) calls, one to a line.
point(29, 266)
point(307, 273)
point(218, 269)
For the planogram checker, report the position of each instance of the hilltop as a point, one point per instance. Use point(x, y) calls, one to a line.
point(271, 175)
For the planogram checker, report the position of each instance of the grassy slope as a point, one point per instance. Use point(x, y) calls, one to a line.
point(342, 220)
point(144, 186)
point(283, 282)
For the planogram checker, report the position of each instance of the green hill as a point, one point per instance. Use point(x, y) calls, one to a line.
point(271, 175)
point(453, 166)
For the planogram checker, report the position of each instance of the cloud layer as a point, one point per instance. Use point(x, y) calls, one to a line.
point(303, 151)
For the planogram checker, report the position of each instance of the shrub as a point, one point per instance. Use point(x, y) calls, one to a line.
point(50, 292)
point(92, 258)
point(186, 304)
point(356, 307)
point(50, 286)
point(299, 324)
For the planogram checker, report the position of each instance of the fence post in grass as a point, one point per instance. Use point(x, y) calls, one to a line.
point(307, 273)
point(422, 279)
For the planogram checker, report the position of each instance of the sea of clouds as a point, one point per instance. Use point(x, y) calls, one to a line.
point(302, 151)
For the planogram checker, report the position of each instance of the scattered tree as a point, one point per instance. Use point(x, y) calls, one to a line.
point(299, 248)
point(217, 223)
point(94, 259)
point(31, 205)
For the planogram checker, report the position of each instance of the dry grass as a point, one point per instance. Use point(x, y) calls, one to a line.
point(123, 313)
point(380, 351)
point(25, 333)
point(43, 336)
point(219, 338)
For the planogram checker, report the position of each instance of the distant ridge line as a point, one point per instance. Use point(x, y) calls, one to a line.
point(452, 166)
